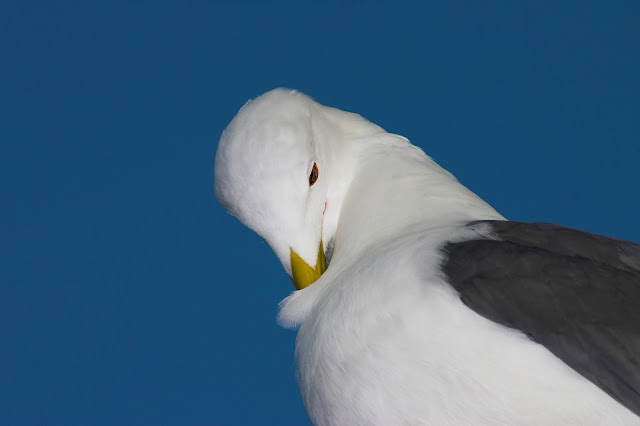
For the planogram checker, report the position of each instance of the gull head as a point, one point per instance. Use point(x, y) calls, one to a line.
point(272, 171)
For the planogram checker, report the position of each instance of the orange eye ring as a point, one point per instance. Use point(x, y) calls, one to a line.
point(313, 176)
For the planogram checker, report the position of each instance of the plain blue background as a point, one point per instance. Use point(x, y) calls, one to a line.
point(128, 296)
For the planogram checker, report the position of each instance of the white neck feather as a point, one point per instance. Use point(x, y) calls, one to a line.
point(396, 190)
point(383, 188)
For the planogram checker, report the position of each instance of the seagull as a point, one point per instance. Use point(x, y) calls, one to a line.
point(433, 309)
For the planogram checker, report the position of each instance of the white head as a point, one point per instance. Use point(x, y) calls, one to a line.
point(276, 170)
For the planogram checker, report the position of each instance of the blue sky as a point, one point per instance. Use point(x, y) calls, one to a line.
point(128, 296)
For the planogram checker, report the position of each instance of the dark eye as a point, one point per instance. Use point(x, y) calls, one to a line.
point(313, 176)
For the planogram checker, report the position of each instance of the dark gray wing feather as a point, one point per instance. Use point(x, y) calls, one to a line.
point(576, 293)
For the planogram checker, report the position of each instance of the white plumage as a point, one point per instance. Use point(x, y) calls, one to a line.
point(383, 338)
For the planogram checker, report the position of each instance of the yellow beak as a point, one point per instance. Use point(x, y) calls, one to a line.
point(303, 274)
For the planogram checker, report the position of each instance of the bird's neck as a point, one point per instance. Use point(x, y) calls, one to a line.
point(395, 190)
point(385, 188)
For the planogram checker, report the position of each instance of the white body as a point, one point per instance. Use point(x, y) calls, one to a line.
point(383, 339)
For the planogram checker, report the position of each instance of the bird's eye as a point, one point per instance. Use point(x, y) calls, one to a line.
point(313, 176)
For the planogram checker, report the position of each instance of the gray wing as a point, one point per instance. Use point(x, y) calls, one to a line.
point(576, 293)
